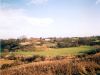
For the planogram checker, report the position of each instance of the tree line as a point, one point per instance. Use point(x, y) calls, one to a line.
point(14, 44)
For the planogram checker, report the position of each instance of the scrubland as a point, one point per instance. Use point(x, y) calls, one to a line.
point(67, 65)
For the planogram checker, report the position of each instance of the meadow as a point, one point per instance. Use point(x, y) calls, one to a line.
point(58, 51)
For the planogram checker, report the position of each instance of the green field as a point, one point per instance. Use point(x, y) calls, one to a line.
point(59, 51)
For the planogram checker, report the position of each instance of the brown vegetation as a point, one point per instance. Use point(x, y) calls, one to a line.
point(85, 65)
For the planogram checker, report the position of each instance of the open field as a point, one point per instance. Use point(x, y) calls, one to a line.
point(59, 51)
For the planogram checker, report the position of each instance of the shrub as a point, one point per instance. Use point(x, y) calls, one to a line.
point(5, 66)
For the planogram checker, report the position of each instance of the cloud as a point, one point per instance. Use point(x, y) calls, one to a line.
point(13, 16)
point(37, 2)
point(97, 1)
point(12, 20)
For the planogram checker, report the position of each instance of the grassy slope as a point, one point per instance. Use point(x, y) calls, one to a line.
point(59, 51)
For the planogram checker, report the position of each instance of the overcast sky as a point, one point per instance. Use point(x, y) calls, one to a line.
point(49, 18)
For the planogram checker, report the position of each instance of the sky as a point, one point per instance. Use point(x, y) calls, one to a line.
point(49, 18)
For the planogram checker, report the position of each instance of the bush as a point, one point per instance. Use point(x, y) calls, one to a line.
point(5, 66)
point(32, 58)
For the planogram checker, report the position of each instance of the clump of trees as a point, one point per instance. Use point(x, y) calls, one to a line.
point(10, 44)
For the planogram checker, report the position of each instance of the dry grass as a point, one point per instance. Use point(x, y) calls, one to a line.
point(87, 66)
point(3, 61)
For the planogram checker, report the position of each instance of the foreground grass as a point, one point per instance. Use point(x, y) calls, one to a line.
point(5, 61)
point(88, 66)
point(59, 51)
